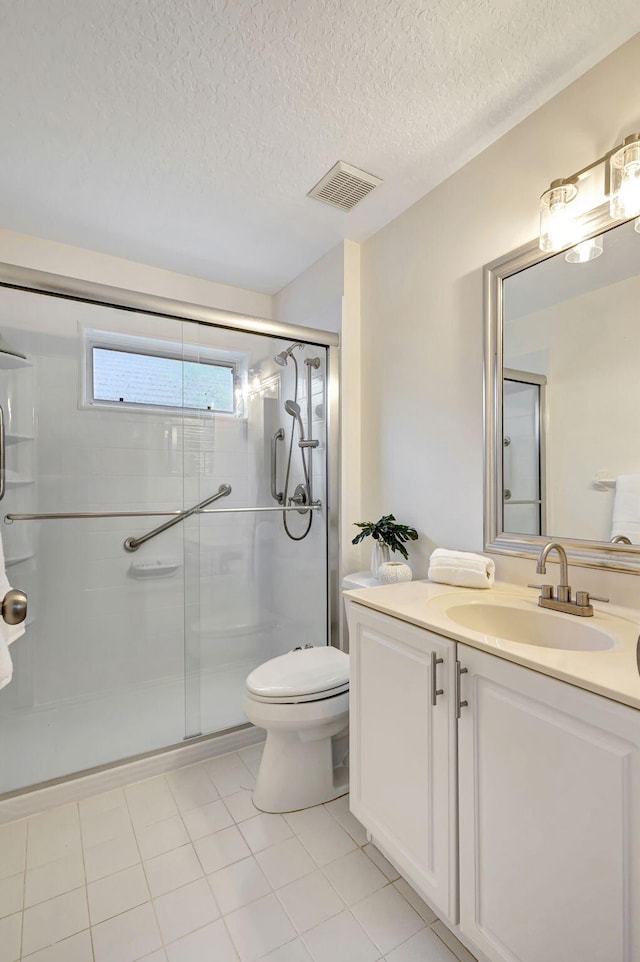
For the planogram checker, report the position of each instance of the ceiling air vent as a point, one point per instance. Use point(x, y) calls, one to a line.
point(344, 186)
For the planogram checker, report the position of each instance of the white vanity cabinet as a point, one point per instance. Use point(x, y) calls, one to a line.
point(549, 801)
point(519, 821)
point(402, 748)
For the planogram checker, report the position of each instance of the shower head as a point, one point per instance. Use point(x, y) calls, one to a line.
point(283, 357)
point(294, 410)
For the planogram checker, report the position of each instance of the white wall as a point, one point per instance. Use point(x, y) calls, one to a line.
point(314, 298)
point(423, 321)
point(45, 255)
point(327, 296)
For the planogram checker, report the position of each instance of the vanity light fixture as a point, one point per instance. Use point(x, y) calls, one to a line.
point(586, 251)
point(559, 212)
point(624, 179)
point(556, 218)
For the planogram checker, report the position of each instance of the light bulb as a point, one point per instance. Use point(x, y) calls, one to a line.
point(586, 251)
point(637, 225)
point(556, 218)
point(625, 179)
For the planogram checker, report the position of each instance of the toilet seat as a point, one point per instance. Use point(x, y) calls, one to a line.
point(303, 675)
point(298, 699)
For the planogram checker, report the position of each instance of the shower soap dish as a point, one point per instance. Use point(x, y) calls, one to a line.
point(160, 568)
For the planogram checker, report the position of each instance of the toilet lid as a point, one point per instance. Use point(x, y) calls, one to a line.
point(302, 672)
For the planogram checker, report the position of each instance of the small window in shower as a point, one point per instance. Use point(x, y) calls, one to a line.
point(136, 375)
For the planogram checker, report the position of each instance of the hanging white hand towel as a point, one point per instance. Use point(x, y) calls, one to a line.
point(626, 507)
point(461, 568)
point(8, 633)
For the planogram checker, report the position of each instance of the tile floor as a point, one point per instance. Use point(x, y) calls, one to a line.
point(183, 868)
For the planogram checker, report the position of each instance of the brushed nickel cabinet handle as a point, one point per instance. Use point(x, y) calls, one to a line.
point(460, 704)
point(435, 691)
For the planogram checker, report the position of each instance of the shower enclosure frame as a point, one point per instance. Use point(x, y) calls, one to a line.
point(79, 290)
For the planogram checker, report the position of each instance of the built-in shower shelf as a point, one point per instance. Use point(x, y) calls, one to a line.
point(18, 482)
point(9, 361)
point(13, 438)
point(16, 559)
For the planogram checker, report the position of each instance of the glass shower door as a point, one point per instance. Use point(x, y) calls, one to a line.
point(99, 673)
point(252, 591)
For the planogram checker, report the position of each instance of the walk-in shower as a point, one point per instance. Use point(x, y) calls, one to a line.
point(142, 515)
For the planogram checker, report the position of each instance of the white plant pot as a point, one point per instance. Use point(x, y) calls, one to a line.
point(394, 572)
point(379, 556)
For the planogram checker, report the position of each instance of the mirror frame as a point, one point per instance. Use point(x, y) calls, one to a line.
point(592, 554)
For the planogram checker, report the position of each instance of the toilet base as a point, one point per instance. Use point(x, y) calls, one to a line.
point(303, 759)
point(295, 774)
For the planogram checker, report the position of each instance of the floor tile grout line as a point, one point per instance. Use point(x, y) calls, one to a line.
point(86, 884)
point(144, 871)
point(24, 885)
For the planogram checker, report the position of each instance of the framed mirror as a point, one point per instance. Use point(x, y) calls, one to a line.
point(562, 399)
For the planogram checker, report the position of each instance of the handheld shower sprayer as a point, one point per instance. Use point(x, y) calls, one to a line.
point(294, 410)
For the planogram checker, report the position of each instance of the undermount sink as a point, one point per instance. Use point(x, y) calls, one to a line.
point(530, 626)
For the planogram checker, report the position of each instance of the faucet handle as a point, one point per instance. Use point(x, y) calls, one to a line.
point(583, 598)
point(546, 591)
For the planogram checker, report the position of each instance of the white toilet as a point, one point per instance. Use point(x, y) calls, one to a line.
point(302, 699)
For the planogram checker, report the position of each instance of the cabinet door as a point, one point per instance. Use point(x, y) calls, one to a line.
point(549, 781)
point(402, 749)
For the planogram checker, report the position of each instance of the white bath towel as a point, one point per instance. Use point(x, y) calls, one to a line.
point(8, 633)
point(461, 568)
point(626, 507)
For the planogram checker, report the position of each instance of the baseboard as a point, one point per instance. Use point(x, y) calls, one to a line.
point(41, 798)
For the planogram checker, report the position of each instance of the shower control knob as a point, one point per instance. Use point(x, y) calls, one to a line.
point(14, 607)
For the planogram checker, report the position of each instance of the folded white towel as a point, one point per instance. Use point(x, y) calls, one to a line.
point(626, 507)
point(461, 568)
point(8, 633)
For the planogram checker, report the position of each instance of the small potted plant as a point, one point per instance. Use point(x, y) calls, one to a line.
point(388, 535)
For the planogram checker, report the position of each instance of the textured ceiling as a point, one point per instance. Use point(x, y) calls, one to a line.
point(186, 133)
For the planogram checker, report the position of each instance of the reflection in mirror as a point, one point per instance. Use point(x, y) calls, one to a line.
point(523, 421)
point(571, 394)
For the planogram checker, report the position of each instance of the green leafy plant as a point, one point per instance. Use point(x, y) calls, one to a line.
point(387, 531)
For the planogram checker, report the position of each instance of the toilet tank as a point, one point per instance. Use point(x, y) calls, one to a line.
point(359, 579)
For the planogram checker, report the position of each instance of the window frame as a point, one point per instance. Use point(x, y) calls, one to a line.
point(157, 347)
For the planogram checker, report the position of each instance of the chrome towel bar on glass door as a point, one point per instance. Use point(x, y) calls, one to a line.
point(132, 544)
point(10, 518)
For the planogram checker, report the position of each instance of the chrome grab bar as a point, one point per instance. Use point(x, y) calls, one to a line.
point(132, 544)
point(2, 453)
point(275, 437)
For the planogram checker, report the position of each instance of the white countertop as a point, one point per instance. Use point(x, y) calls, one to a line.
point(612, 672)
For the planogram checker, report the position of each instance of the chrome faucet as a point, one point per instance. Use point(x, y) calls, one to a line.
point(620, 539)
point(564, 591)
point(562, 601)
